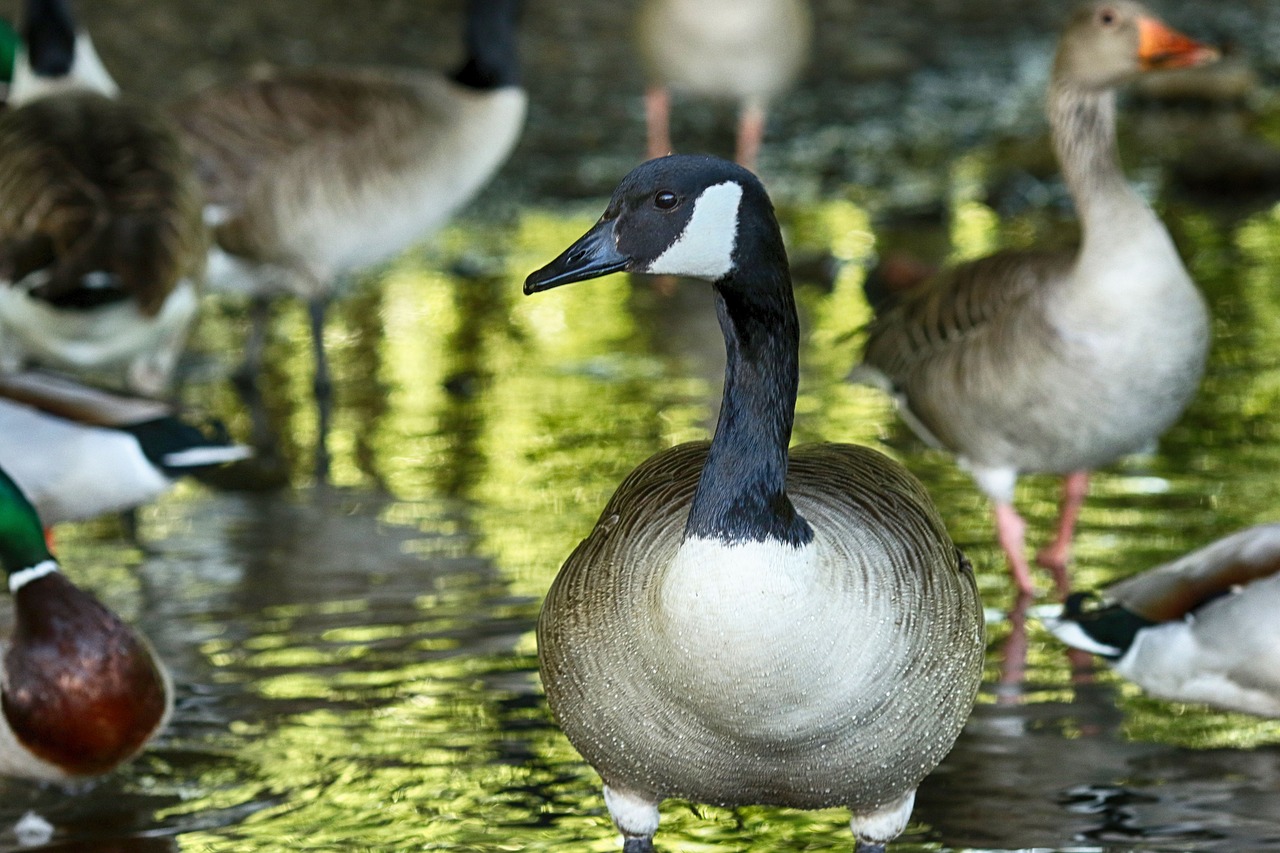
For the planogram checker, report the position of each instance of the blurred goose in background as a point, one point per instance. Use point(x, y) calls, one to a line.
point(312, 175)
point(748, 51)
point(747, 625)
point(80, 452)
point(101, 236)
point(1202, 628)
point(1057, 362)
point(81, 691)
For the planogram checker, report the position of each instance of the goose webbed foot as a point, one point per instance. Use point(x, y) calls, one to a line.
point(861, 846)
point(637, 845)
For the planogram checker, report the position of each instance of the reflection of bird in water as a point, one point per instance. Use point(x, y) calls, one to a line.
point(1057, 362)
point(312, 175)
point(101, 240)
point(1202, 628)
point(746, 50)
point(82, 692)
point(734, 630)
point(79, 452)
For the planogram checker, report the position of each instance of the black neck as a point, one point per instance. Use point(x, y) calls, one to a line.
point(741, 495)
point(49, 33)
point(492, 45)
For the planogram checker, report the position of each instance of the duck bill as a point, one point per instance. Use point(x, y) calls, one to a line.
point(1160, 46)
point(593, 255)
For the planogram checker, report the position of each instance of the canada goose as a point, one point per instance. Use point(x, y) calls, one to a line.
point(745, 625)
point(82, 692)
point(749, 51)
point(1201, 628)
point(1057, 362)
point(101, 237)
point(315, 174)
point(79, 452)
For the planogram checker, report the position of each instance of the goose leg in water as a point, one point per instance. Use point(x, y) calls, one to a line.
point(750, 133)
point(657, 112)
point(248, 377)
point(1056, 554)
point(1011, 534)
point(322, 385)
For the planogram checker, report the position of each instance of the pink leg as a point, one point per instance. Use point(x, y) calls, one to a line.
point(657, 111)
point(750, 134)
point(1011, 534)
point(1055, 556)
point(1013, 666)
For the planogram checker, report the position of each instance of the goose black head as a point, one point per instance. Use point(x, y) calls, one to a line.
point(686, 215)
point(49, 31)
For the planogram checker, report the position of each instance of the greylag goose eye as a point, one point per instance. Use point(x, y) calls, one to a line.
point(101, 239)
point(1201, 628)
point(747, 623)
point(747, 51)
point(1056, 362)
point(80, 691)
point(314, 175)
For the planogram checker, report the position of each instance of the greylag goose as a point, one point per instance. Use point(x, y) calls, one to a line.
point(79, 452)
point(747, 625)
point(748, 51)
point(315, 174)
point(1057, 362)
point(81, 691)
point(101, 239)
point(1202, 628)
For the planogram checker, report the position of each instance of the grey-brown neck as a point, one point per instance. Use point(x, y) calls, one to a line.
point(1083, 122)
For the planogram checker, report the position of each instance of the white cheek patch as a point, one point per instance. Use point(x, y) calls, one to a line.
point(704, 248)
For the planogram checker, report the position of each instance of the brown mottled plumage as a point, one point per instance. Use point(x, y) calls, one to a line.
point(90, 184)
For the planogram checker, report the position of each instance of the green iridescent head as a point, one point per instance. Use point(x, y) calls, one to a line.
point(8, 50)
point(22, 543)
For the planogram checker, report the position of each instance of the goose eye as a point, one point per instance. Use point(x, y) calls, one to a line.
point(1107, 17)
point(665, 200)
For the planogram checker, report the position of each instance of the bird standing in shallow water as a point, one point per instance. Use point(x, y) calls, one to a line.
point(1057, 362)
point(749, 51)
point(101, 240)
point(747, 624)
point(1201, 628)
point(80, 691)
point(313, 175)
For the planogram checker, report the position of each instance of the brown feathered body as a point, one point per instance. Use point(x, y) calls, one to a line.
point(317, 173)
point(840, 681)
point(101, 237)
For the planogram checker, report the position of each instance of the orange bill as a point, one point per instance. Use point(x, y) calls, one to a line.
point(1160, 46)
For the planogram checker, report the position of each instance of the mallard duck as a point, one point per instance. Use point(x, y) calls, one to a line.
point(1057, 361)
point(79, 452)
point(312, 175)
point(80, 691)
point(747, 624)
point(749, 51)
point(101, 238)
point(1201, 628)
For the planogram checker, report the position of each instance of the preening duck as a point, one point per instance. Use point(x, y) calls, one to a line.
point(312, 175)
point(79, 452)
point(101, 238)
point(747, 625)
point(749, 51)
point(80, 691)
point(1201, 628)
point(1057, 362)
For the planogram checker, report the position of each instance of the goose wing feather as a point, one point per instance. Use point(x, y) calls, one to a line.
point(91, 184)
